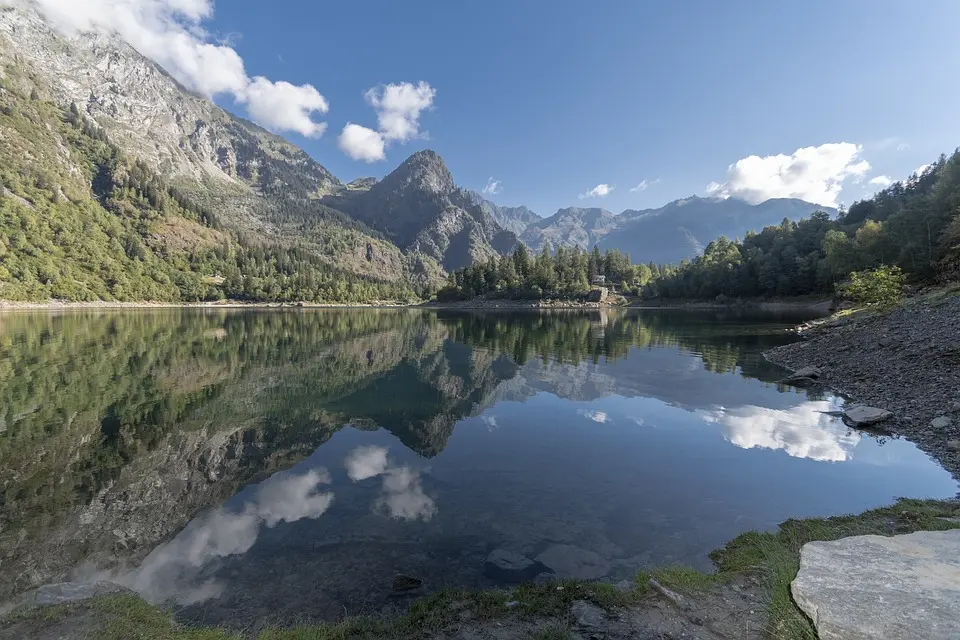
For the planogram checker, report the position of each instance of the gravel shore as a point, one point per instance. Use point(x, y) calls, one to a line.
point(906, 361)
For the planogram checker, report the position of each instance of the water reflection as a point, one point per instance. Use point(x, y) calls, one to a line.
point(804, 431)
point(445, 435)
point(402, 495)
point(172, 571)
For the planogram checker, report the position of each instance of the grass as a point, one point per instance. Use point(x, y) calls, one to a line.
point(772, 557)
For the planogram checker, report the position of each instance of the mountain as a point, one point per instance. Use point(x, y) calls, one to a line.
point(420, 208)
point(671, 233)
point(251, 185)
point(515, 219)
point(570, 227)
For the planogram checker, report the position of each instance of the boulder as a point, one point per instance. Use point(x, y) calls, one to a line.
point(941, 422)
point(953, 445)
point(504, 565)
point(589, 616)
point(597, 295)
point(862, 415)
point(568, 561)
point(897, 588)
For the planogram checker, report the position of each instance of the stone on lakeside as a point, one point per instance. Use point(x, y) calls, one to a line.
point(897, 588)
point(862, 415)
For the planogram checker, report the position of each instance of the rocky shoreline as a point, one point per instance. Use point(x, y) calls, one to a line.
point(507, 304)
point(906, 361)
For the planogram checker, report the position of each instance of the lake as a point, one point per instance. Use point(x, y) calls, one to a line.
point(275, 465)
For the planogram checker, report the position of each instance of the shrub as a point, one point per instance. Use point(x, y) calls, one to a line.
point(882, 286)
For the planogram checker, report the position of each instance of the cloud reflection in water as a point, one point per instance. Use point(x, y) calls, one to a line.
point(402, 495)
point(172, 569)
point(803, 431)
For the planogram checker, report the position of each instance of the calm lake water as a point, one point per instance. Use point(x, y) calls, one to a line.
point(287, 464)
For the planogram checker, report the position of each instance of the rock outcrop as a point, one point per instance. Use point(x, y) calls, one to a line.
point(897, 588)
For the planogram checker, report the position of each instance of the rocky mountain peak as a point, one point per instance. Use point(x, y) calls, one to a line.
point(423, 171)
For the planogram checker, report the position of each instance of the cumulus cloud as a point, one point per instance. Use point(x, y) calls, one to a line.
point(643, 185)
point(814, 174)
point(361, 143)
point(171, 33)
point(493, 187)
point(402, 495)
point(173, 569)
point(922, 169)
point(596, 416)
point(882, 181)
point(804, 431)
point(599, 191)
point(398, 108)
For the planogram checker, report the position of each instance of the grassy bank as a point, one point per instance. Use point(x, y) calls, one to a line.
point(769, 559)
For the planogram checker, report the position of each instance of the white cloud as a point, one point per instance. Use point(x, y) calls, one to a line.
point(493, 187)
point(814, 174)
point(644, 185)
point(398, 108)
point(171, 33)
point(361, 143)
point(804, 431)
point(596, 416)
point(903, 146)
point(285, 107)
point(882, 181)
point(599, 191)
point(922, 169)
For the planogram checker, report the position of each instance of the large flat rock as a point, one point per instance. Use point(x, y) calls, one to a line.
point(866, 587)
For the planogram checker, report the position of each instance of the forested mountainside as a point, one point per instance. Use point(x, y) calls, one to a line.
point(913, 225)
point(82, 220)
point(265, 221)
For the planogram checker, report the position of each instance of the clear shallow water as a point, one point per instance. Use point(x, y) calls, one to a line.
point(288, 464)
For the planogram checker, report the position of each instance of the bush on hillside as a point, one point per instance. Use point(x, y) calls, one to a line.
point(882, 286)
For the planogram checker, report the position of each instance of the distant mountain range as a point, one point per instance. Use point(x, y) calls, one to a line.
point(668, 234)
point(408, 228)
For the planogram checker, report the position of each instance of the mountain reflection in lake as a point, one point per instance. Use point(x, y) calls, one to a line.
point(277, 464)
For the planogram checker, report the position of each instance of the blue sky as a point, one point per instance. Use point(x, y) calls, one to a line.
point(552, 99)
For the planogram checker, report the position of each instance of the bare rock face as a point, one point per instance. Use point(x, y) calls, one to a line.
point(897, 588)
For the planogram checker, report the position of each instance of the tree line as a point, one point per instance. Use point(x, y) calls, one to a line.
point(564, 273)
point(911, 227)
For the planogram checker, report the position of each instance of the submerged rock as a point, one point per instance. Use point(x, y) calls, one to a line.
point(862, 415)
point(63, 592)
point(898, 588)
point(568, 561)
point(403, 583)
point(505, 565)
point(805, 377)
